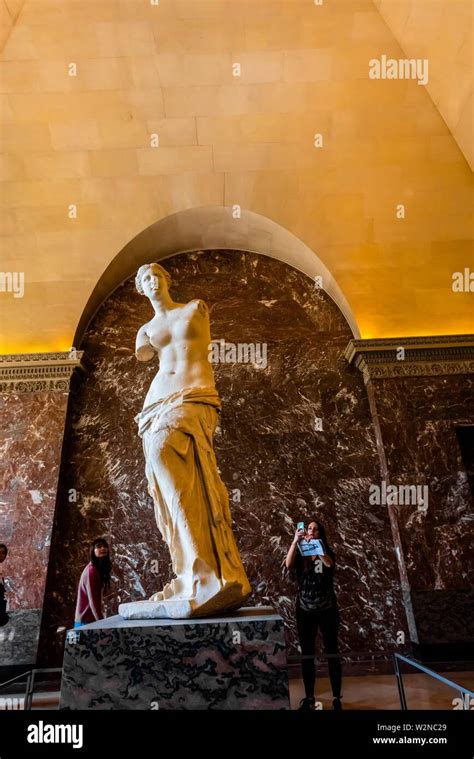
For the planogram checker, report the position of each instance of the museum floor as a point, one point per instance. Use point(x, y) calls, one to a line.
point(380, 691)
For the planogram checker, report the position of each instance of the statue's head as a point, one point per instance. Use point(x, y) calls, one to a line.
point(152, 279)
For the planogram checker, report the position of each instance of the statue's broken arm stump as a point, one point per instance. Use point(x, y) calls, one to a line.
point(237, 661)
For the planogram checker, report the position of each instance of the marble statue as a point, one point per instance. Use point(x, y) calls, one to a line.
point(177, 425)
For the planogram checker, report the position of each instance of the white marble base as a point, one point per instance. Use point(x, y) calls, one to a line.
point(180, 609)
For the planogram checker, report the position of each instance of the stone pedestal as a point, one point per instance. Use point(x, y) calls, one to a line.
point(236, 661)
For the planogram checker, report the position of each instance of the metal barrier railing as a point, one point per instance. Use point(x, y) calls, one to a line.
point(30, 683)
point(401, 690)
point(350, 656)
point(395, 657)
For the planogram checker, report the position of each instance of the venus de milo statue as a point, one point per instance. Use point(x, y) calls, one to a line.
point(177, 425)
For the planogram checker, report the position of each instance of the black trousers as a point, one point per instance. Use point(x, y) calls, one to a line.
point(308, 623)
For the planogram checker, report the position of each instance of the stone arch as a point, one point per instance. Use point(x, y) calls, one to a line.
point(208, 228)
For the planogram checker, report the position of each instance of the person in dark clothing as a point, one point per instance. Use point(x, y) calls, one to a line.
point(316, 608)
point(3, 601)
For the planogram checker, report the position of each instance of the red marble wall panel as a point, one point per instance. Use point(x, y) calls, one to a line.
point(31, 438)
point(418, 418)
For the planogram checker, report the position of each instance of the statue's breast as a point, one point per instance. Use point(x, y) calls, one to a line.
point(160, 336)
point(189, 326)
point(181, 325)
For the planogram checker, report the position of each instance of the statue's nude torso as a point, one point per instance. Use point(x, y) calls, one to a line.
point(181, 337)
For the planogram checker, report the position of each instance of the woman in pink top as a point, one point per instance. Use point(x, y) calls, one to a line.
point(94, 579)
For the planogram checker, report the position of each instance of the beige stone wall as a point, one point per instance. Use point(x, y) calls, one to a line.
point(442, 32)
point(84, 140)
point(9, 12)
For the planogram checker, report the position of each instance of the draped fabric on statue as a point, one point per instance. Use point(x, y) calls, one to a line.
point(191, 501)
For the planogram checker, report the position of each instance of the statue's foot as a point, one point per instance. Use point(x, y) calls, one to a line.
point(166, 594)
point(158, 596)
point(229, 598)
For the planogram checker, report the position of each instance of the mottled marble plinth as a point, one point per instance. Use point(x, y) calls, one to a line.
point(236, 661)
point(19, 638)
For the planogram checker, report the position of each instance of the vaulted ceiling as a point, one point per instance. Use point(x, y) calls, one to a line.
point(441, 31)
point(86, 84)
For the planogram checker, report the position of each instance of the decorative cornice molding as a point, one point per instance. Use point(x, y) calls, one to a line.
point(37, 372)
point(420, 357)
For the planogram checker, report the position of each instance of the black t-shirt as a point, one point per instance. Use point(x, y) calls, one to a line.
point(315, 583)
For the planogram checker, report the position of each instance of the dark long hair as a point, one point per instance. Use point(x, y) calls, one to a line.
point(103, 565)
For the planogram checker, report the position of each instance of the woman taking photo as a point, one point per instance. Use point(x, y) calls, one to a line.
point(316, 608)
point(95, 578)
